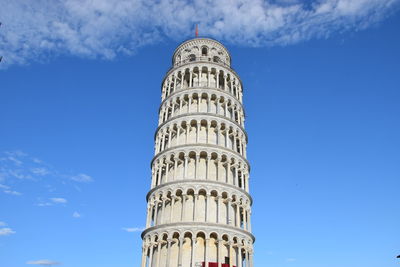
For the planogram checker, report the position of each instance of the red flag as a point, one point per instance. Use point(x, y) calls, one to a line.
point(197, 31)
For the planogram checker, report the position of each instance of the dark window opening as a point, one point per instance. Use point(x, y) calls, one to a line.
point(204, 51)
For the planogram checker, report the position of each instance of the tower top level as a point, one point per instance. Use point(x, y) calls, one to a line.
point(201, 49)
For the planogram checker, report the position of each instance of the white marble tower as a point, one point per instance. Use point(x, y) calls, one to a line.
point(199, 206)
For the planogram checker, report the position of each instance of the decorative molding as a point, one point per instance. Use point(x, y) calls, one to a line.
point(200, 148)
point(198, 184)
point(199, 116)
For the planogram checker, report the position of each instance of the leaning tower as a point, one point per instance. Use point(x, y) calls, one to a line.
point(199, 206)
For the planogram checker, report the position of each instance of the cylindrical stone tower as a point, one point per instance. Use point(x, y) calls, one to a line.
point(199, 206)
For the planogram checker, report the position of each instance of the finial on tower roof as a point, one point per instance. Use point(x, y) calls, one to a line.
point(197, 31)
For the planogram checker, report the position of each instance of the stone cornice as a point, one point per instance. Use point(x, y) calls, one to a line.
point(204, 117)
point(195, 147)
point(205, 182)
point(206, 90)
point(201, 225)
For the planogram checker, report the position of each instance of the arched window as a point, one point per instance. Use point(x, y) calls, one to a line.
point(216, 59)
point(192, 57)
point(204, 51)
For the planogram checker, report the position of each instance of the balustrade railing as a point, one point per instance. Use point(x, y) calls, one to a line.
point(201, 59)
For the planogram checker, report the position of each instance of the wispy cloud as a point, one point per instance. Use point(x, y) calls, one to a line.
point(19, 166)
point(291, 259)
point(106, 28)
point(4, 231)
point(6, 189)
point(44, 262)
point(59, 200)
point(12, 192)
point(76, 215)
point(82, 178)
point(53, 201)
point(133, 229)
point(40, 171)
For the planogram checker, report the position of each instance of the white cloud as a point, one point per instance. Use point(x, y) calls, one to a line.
point(6, 231)
point(40, 171)
point(15, 161)
point(37, 161)
point(44, 262)
point(59, 200)
point(19, 174)
point(21, 167)
point(106, 28)
point(7, 190)
point(82, 178)
point(3, 224)
point(54, 200)
point(133, 229)
point(44, 204)
point(76, 215)
point(2, 186)
point(12, 192)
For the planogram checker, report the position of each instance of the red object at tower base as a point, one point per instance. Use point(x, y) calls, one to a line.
point(215, 264)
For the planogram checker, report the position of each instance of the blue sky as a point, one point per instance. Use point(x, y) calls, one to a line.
point(78, 111)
